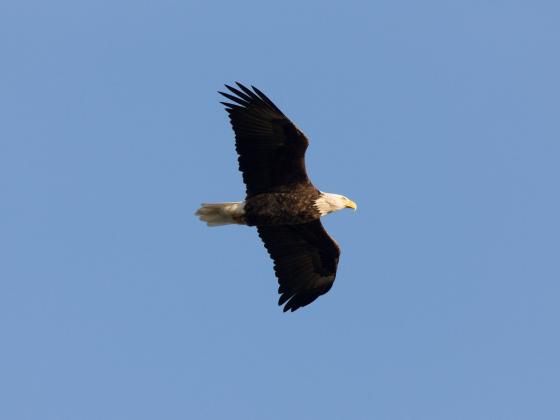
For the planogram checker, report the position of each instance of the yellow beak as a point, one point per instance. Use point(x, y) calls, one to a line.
point(351, 205)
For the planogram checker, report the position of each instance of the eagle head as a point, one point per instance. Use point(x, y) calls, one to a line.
point(329, 202)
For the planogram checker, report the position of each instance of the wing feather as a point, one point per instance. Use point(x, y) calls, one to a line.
point(305, 261)
point(271, 148)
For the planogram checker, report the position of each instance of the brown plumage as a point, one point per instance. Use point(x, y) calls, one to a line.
point(271, 148)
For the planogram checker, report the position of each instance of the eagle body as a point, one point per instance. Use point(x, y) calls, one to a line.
point(282, 208)
point(281, 202)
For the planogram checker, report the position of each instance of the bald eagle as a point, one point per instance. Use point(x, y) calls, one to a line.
point(280, 199)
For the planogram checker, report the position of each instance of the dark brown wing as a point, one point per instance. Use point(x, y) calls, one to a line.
point(271, 148)
point(305, 261)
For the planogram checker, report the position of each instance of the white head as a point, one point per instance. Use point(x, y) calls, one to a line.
point(327, 203)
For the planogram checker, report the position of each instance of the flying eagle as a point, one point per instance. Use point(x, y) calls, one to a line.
point(280, 199)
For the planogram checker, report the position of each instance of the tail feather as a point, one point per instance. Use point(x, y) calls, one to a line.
point(219, 214)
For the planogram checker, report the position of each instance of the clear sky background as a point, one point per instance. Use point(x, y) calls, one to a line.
point(439, 118)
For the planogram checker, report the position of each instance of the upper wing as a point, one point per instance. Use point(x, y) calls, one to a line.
point(305, 261)
point(271, 148)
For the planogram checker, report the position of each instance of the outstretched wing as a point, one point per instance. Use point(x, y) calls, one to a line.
point(271, 148)
point(305, 261)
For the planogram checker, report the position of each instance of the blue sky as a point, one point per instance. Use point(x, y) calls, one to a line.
point(439, 118)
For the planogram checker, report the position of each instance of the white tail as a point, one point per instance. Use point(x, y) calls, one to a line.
point(220, 214)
